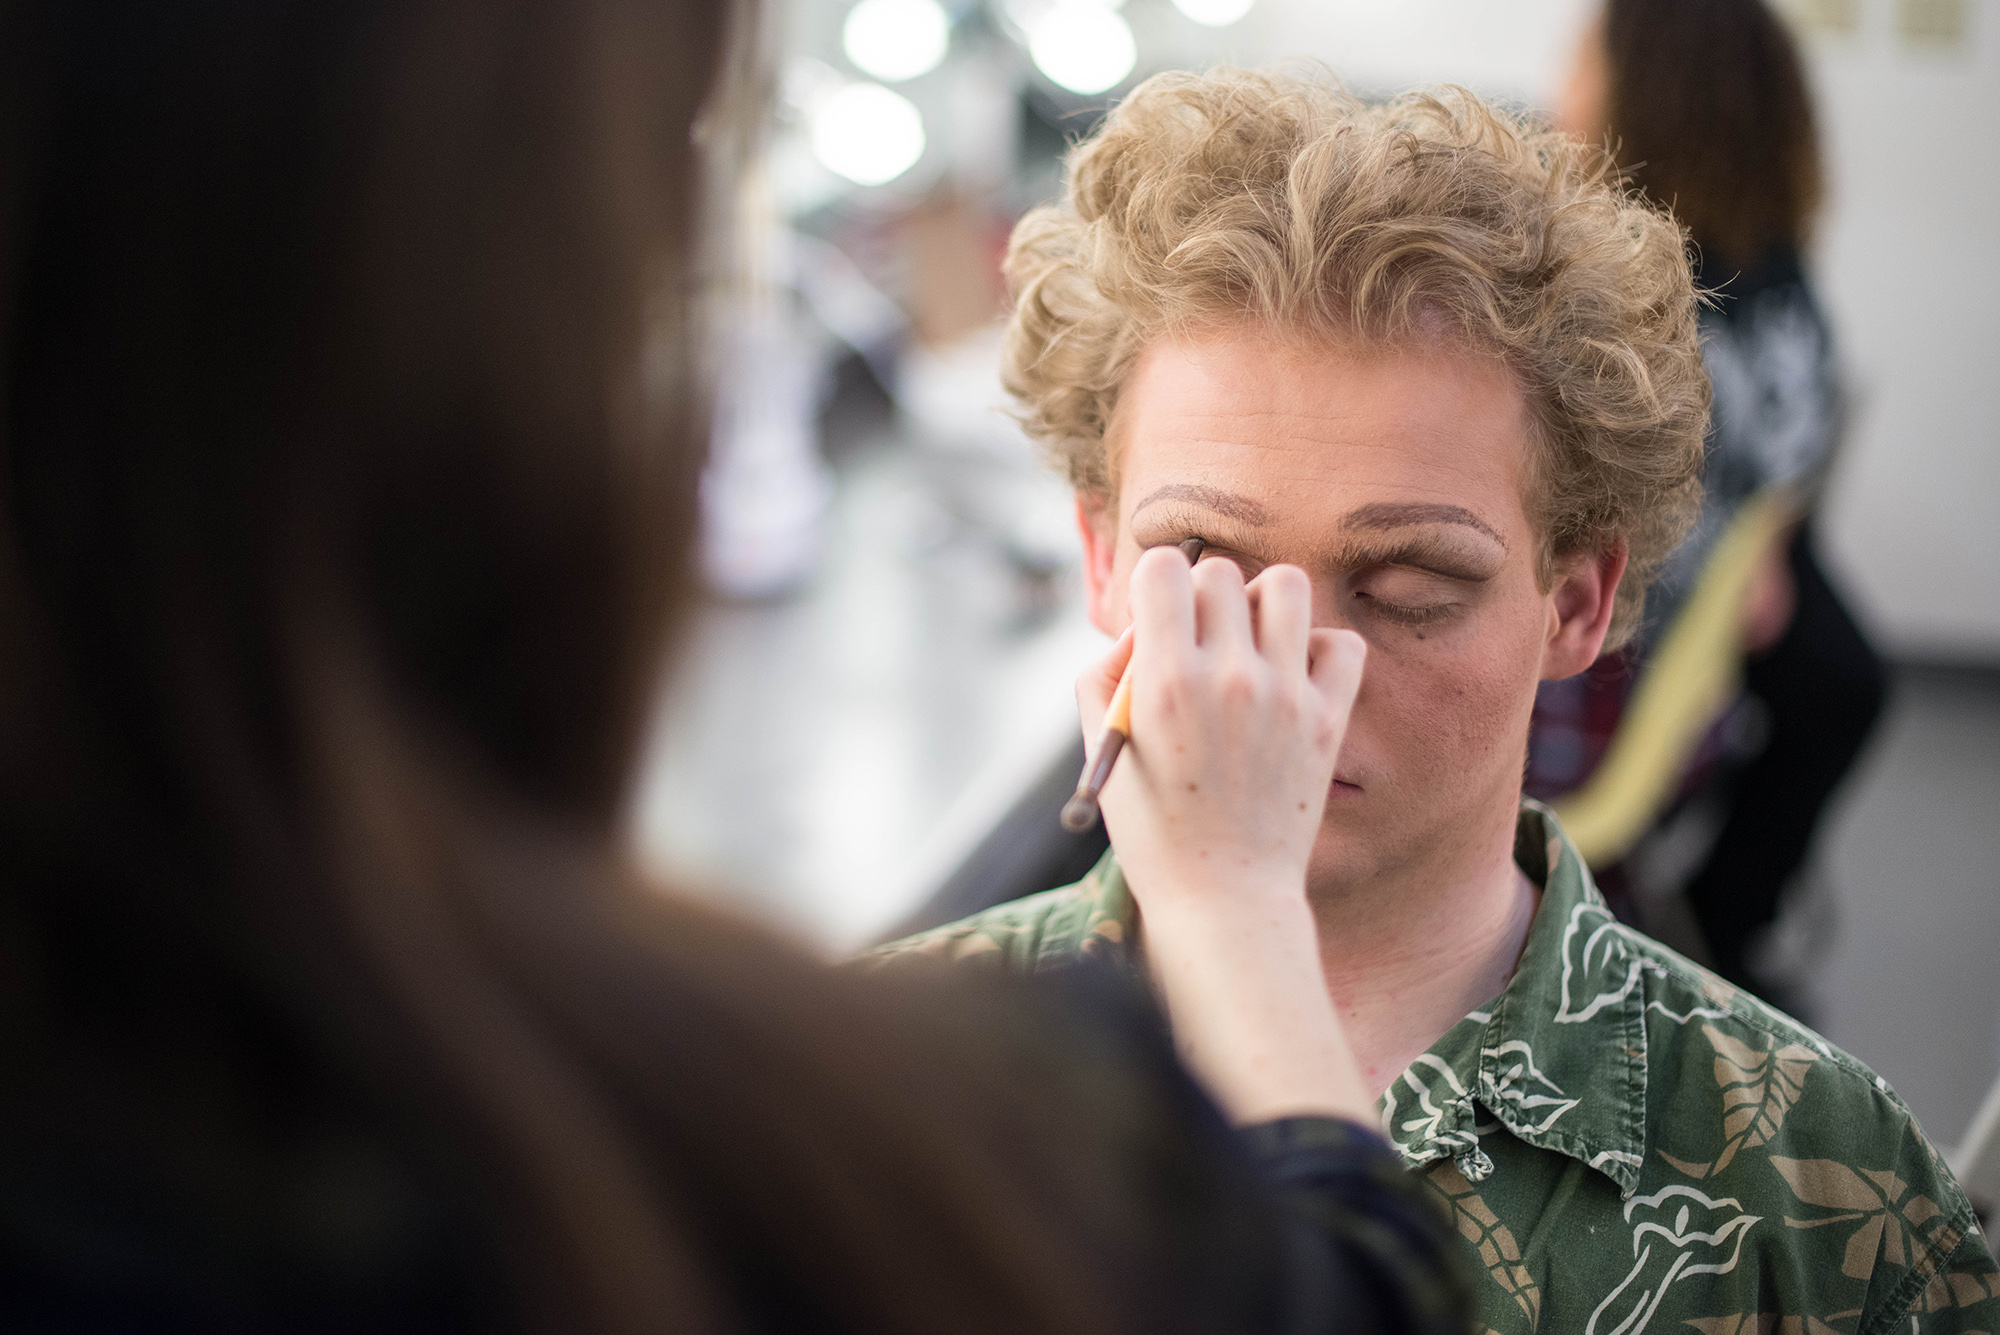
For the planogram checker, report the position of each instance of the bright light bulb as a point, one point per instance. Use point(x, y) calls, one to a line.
point(866, 133)
point(1083, 47)
point(1214, 13)
point(896, 39)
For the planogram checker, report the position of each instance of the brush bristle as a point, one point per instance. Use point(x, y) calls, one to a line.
point(1079, 813)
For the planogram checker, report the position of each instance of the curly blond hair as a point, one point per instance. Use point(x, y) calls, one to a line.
point(1277, 198)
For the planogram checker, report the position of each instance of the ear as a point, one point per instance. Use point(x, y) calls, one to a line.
point(1580, 606)
point(1097, 525)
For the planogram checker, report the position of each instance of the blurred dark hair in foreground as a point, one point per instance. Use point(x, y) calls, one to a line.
point(349, 478)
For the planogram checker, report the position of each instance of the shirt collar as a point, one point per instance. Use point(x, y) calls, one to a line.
point(1558, 1059)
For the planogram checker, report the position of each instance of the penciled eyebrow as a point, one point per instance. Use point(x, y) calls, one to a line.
point(1432, 551)
point(1383, 515)
point(1225, 503)
point(1375, 517)
point(1419, 553)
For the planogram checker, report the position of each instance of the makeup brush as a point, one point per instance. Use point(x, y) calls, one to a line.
point(1080, 812)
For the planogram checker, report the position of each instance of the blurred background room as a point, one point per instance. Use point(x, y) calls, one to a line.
point(873, 719)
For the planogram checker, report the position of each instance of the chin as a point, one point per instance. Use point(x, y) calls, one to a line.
point(1347, 853)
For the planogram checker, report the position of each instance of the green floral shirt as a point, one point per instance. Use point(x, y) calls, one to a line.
point(1626, 1142)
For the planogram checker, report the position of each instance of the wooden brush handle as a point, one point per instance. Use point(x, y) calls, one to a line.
point(1118, 718)
point(1080, 812)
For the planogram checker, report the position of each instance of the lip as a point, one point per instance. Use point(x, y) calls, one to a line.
point(1342, 787)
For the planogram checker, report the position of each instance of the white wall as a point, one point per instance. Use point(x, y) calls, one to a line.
point(1908, 263)
point(1508, 48)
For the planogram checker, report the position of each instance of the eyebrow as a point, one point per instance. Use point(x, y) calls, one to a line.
point(1225, 503)
point(1434, 550)
point(1420, 552)
point(1381, 515)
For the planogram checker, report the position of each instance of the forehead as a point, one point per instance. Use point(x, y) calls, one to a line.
point(1311, 431)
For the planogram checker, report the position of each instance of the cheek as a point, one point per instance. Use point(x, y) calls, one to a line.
point(1450, 708)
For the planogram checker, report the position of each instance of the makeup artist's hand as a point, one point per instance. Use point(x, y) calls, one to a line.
point(1238, 710)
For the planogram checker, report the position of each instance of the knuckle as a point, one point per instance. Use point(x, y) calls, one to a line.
point(1240, 684)
point(1153, 569)
point(1218, 574)
point(1288, 580)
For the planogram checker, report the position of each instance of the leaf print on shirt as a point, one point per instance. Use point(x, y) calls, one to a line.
point(1887, 1226)
point(1491, 1239)
point(1519, 1088)
point(1441, 1120)
point(1704, 1237)
point(1961, 1289)
point(1600, 966)
point(1759, 1086)
point(1762, 1325)
point(1718, 993)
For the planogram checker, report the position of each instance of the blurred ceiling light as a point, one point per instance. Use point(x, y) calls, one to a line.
point(897, 39)
point(1084, 47)
point(1214, 13)
point(866, 133)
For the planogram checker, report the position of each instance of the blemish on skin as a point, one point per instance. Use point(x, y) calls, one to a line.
point(1191, 788)
point(1302, 806)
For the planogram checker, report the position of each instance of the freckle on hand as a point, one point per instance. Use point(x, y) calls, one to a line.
point(1192, 788)
point(1302, 806)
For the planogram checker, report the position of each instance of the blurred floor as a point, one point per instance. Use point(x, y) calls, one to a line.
point(1911, 855)
point(828, 758)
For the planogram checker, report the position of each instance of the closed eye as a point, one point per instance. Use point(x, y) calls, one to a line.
point(1406, 614)
point(1406, 597)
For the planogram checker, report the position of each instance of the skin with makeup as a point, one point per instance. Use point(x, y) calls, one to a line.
point(1382, 494)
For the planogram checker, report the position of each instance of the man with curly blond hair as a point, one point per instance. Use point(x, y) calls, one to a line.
point(1438, 360)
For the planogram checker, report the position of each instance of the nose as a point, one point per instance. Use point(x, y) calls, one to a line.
point(1329, 607)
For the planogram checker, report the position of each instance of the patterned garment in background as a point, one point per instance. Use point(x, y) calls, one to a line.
point(1776, 415)
point(1775, 421)
point(1573, 724)
point(1626, 1143)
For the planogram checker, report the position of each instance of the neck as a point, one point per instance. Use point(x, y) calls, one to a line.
point(1408, 954)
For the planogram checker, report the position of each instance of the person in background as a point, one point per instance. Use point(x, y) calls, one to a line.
point(350, 441)
point(1707, 103)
